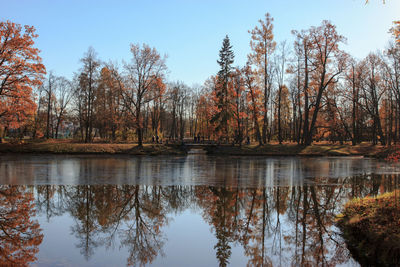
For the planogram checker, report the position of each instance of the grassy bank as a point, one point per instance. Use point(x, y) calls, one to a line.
point(371, 228)
point(69, 147)
point(64, 147)
point(367, 150)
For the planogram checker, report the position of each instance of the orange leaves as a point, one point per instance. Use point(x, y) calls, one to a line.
point(20, 236)
point(157, 87)
point(394, 156)
point(21, 69)
point(395, 30)
point(262, 40)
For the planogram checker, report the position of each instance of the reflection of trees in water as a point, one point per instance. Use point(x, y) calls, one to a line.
point(20, 236)
point(274, 225)
point(284, 226)
point(143, 233)
point(133, 214)
point(220, 210)
point(82, 208)
point(45, 201)
point(292, 226)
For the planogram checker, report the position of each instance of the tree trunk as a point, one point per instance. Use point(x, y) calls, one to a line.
point(139, 126)
point(306, 106)
point(354, 139)
point(48, 111)
point(279, 115)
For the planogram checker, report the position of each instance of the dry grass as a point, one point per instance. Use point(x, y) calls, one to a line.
point(289, 149)
point(68, 147)
point(371, 227)
point(296, 150)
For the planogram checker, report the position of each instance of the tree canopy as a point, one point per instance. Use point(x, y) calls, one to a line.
point(21, 69)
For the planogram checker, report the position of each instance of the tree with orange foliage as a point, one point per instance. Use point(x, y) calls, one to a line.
point(238, 104)
point(373, 89)
point(280, 71)
point(21, 69)
point(253, 96)
point(351, 92)
point(329, 62)
point(395, 30)
point(335, 115)
point(146, 66)
point(157, 95)
point(204, 114)
point(282, 113)
point(263, 45)
point(392, 66)
point(295, 86)
point(109, 103)
point(323, 63)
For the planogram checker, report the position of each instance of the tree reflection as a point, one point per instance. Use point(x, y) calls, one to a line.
point(20, 236)
point(279, 226)
point(219, 205)
point(82, 208)
point(144, 216)
point(102, 213)
point(46, 203)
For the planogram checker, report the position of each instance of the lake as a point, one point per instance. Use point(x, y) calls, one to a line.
point(195, 210)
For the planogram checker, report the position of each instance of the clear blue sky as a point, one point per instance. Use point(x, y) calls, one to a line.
point(190, 32)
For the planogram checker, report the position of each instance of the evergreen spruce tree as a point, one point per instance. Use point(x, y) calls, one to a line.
point(226, 58)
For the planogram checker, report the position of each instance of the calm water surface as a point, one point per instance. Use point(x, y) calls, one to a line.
point(180, 211)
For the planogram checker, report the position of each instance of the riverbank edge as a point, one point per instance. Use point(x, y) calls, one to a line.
point(287, 150)
point(91, 149)
point(271, 150)
point(371, 229)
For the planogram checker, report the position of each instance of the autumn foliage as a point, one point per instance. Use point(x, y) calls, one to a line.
point(396, 30)
point(305, 92)
point(21, 69)
point(20, 235)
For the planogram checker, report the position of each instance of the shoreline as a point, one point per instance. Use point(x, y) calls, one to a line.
point(294, 150)
point(269, 150)
point(64, 148)
point(370, 227)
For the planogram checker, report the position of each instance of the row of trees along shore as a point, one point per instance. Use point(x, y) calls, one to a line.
point(310, 90)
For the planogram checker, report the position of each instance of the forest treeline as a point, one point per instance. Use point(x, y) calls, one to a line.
point(306, 91)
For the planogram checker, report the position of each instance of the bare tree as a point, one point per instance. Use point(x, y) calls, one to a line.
point(323, 62)
point(280, 73)
point(373, 91)
point(85, 93)
point(63, 94)
point(48, 88)
point(142, 72)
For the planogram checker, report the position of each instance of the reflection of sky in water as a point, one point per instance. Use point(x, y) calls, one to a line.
point(190, 170)
point(190, 243)
point(87, 206)
point(189, 230)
